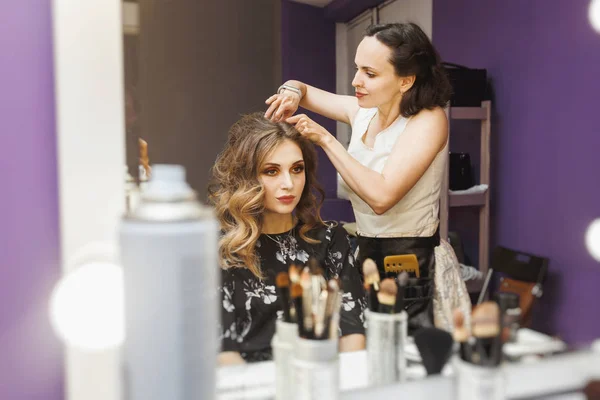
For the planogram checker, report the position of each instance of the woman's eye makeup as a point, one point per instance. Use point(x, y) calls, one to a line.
point(270, 171)
point(295, 169)
point(367, 72)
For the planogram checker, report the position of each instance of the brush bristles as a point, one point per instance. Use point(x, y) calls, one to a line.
point(370, 270)
point(389, 287)
point(435, 347)
point(402, 278)
point(386, 299)
point(387, 293)
point(282, 280)
point(333, 284)
point(313, 265)
point(317, 301)
point(486, 320)
point(486, 330)
point(305, 278)
point(296, 290)
point(372, 279)
point(458, 318)
point(461, 334)
point(294, 273)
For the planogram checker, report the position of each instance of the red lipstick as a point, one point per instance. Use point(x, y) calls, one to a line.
point(286, 199)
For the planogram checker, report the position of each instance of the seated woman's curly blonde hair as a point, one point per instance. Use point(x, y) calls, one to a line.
point(237, 194)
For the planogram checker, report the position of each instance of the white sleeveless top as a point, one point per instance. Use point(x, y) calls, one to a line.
point(416, 214)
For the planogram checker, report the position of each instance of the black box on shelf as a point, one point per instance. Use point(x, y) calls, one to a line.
point(469, 85)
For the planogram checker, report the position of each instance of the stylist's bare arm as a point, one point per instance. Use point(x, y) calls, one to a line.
point(284, 104)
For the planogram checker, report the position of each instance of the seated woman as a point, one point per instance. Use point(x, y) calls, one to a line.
point(264, 191)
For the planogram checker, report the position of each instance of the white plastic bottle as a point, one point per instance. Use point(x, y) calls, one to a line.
point(168, 246)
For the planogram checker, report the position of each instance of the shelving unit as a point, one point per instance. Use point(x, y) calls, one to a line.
point(470, 198)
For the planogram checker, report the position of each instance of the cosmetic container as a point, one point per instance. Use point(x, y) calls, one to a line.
point(316, 369)
point(286, 334)
point(386, 338)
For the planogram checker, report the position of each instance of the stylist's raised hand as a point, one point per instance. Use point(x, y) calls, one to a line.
point(309, 129)
point(282, 105)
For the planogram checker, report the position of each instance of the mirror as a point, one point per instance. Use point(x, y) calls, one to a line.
point(161, 107)
point(191, 69)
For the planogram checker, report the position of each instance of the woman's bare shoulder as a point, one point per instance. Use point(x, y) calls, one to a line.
point(430, 125)
point(435, 115)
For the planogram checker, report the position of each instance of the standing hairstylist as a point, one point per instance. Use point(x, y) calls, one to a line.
point(394, 166)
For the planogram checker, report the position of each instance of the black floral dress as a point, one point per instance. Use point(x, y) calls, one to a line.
point(250, 306)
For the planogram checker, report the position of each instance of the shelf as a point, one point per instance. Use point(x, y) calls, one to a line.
point(468, 113)
point(476, 196)
point(468, 198)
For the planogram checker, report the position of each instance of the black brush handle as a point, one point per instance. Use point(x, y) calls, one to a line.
point(372, 299)
point(299, 315)
point(284, 300)
point(400, 299)
point(385, 309)
point(466, 352)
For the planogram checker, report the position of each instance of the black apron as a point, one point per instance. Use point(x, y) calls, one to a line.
point(418, 301)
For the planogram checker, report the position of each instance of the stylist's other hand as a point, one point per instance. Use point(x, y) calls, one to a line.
point(309, 129)
point(282, 105)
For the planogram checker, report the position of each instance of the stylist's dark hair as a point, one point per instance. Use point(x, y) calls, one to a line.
point(413, 54)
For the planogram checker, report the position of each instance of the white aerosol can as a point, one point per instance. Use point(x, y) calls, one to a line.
point(168, 247)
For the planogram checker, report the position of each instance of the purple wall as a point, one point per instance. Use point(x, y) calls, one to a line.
point(543, 58)
point(31, 364)
point(308, 55)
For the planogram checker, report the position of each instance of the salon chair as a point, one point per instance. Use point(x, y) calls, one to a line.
point(521, 273)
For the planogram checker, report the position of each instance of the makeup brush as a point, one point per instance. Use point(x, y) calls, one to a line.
point(461, 336)
point(435, 347)
point(317, 281)
point(486, 330)
point(313, 265)
point(371, 275)
point(307, 303)
point(387, 296)
point(296, 294)
point(319, 284)
point(294, 272)
point(282, 282)
point(321, 331)
point(336, 306)
point(333, 291)
point(144, 160)
point(402, 281)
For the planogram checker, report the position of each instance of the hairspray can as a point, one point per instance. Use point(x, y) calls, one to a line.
point(168, 246)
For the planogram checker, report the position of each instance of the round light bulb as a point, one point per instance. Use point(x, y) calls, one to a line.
point(594, 14)
point(592, 239)
point(87, 306)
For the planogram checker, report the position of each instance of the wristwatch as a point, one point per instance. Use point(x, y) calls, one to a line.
point(288, 87)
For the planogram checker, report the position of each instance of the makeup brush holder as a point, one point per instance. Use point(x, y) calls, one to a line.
point(476, 382)
point(386, 338)
point(316, 370)
point(283, 343)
